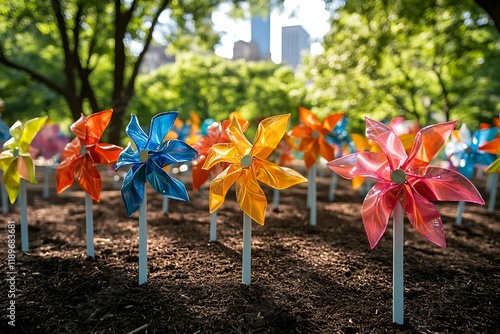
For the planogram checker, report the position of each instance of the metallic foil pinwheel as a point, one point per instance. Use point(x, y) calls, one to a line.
point(15, 160)
point(153, 153)
point(407, 179)
point(81, 155)
point(248, 165)
point(465, 149)
point(312, 134)
point(216, 134)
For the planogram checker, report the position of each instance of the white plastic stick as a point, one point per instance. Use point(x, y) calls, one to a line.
point(143, 240)
point(89, 225)
point(213, 226)
point(460, 212)
point(247, 249)
point(334, 178)
point(493, 180)
point(164, 206)
point(309, 187)
point(46, 177)
point(23, 208)
point(313, 204)
point(5, 201)
point(397, 263)
point(276, 199)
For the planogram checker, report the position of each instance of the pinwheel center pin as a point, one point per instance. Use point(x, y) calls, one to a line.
point(315, 134)
point(468, 150)
point(398, 176)
point(83, 150)
point(246, 161)
point(143, 155)
point(15, 153)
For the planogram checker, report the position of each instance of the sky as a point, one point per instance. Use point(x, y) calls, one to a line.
point(311, 14)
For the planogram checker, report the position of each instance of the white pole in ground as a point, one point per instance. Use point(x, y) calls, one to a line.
point(5, 201)
point(143, 240)
point(334, 177)
point(164, 206)
point(46, 177)
point(313, 203)
point(213, 226)
point(89, 225)
point(493, 179)
point(23, 208)
point(397, 259)
point(247, 249)
point(460, 212)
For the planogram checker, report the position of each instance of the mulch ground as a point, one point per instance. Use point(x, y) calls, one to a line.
point(322, 279)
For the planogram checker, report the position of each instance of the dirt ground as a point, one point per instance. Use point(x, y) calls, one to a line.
point(322, 279)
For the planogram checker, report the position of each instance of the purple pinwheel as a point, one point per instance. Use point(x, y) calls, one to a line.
point(152, 154)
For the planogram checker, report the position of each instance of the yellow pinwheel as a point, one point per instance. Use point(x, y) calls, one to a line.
point(248, 165)
point(15, 161)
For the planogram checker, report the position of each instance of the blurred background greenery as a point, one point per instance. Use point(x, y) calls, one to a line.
point(429, 60)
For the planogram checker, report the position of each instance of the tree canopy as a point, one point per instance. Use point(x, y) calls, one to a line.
point(426, 60)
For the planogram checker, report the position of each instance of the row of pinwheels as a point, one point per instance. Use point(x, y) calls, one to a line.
point(404, 180)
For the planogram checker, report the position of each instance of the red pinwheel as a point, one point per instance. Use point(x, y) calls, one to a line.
point(81, 155)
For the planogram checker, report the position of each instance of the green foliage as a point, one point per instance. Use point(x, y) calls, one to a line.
point(425, 60)
point(213, 87)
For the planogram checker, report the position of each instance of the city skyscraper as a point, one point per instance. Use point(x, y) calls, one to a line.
point(261, 34)
point(294, 40)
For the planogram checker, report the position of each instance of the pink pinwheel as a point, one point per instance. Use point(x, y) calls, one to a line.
point(49, 141)
point(406, 178)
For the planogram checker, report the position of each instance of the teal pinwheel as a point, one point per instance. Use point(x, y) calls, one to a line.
point(147, 161)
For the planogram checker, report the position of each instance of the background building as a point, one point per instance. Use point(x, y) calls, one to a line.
point(154, 58)
point(294, 40)
point(261, 34)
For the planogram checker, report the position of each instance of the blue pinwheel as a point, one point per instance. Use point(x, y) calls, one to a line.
point(464, 149)
point(147, 162)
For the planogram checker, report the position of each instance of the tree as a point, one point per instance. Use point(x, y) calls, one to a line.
point(213, 87)
point(381, 60)
point(79, 36)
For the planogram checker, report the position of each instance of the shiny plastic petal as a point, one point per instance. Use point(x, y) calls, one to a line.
point(326, 150)
point(172, 151)
point(65, 172)
point(160, 125)
point(251, 197)
point(423, 215)
point(221, 184)
point(12, 180)
point(377, 208)
point(136, 133)
point(301, 131)
point(483, 158)
point(275, 176)
point(494, 167)
point(222, 153)
point(466, 165)
point(96, 124)
point(389, 142)
point(268, 136)
point(128, 156)
point(199, 175)
point(6, 158)
point(25, 167)
point(464, 135)
point(236, 136)
point(307, 117)
point(105, 153)
point(441, 184)
point(133, 188)
point(481, 137)
point(492, 147)
point(330, 121)
point(367, 164)
point(428, 142)
point(30, 129)
point(164, 184)
point(311, 153)
point(88, 177)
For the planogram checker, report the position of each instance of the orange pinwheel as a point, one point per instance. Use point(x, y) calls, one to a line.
point(216, 134)
point(81, 155)
point(312, 134)
point(248, 165)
